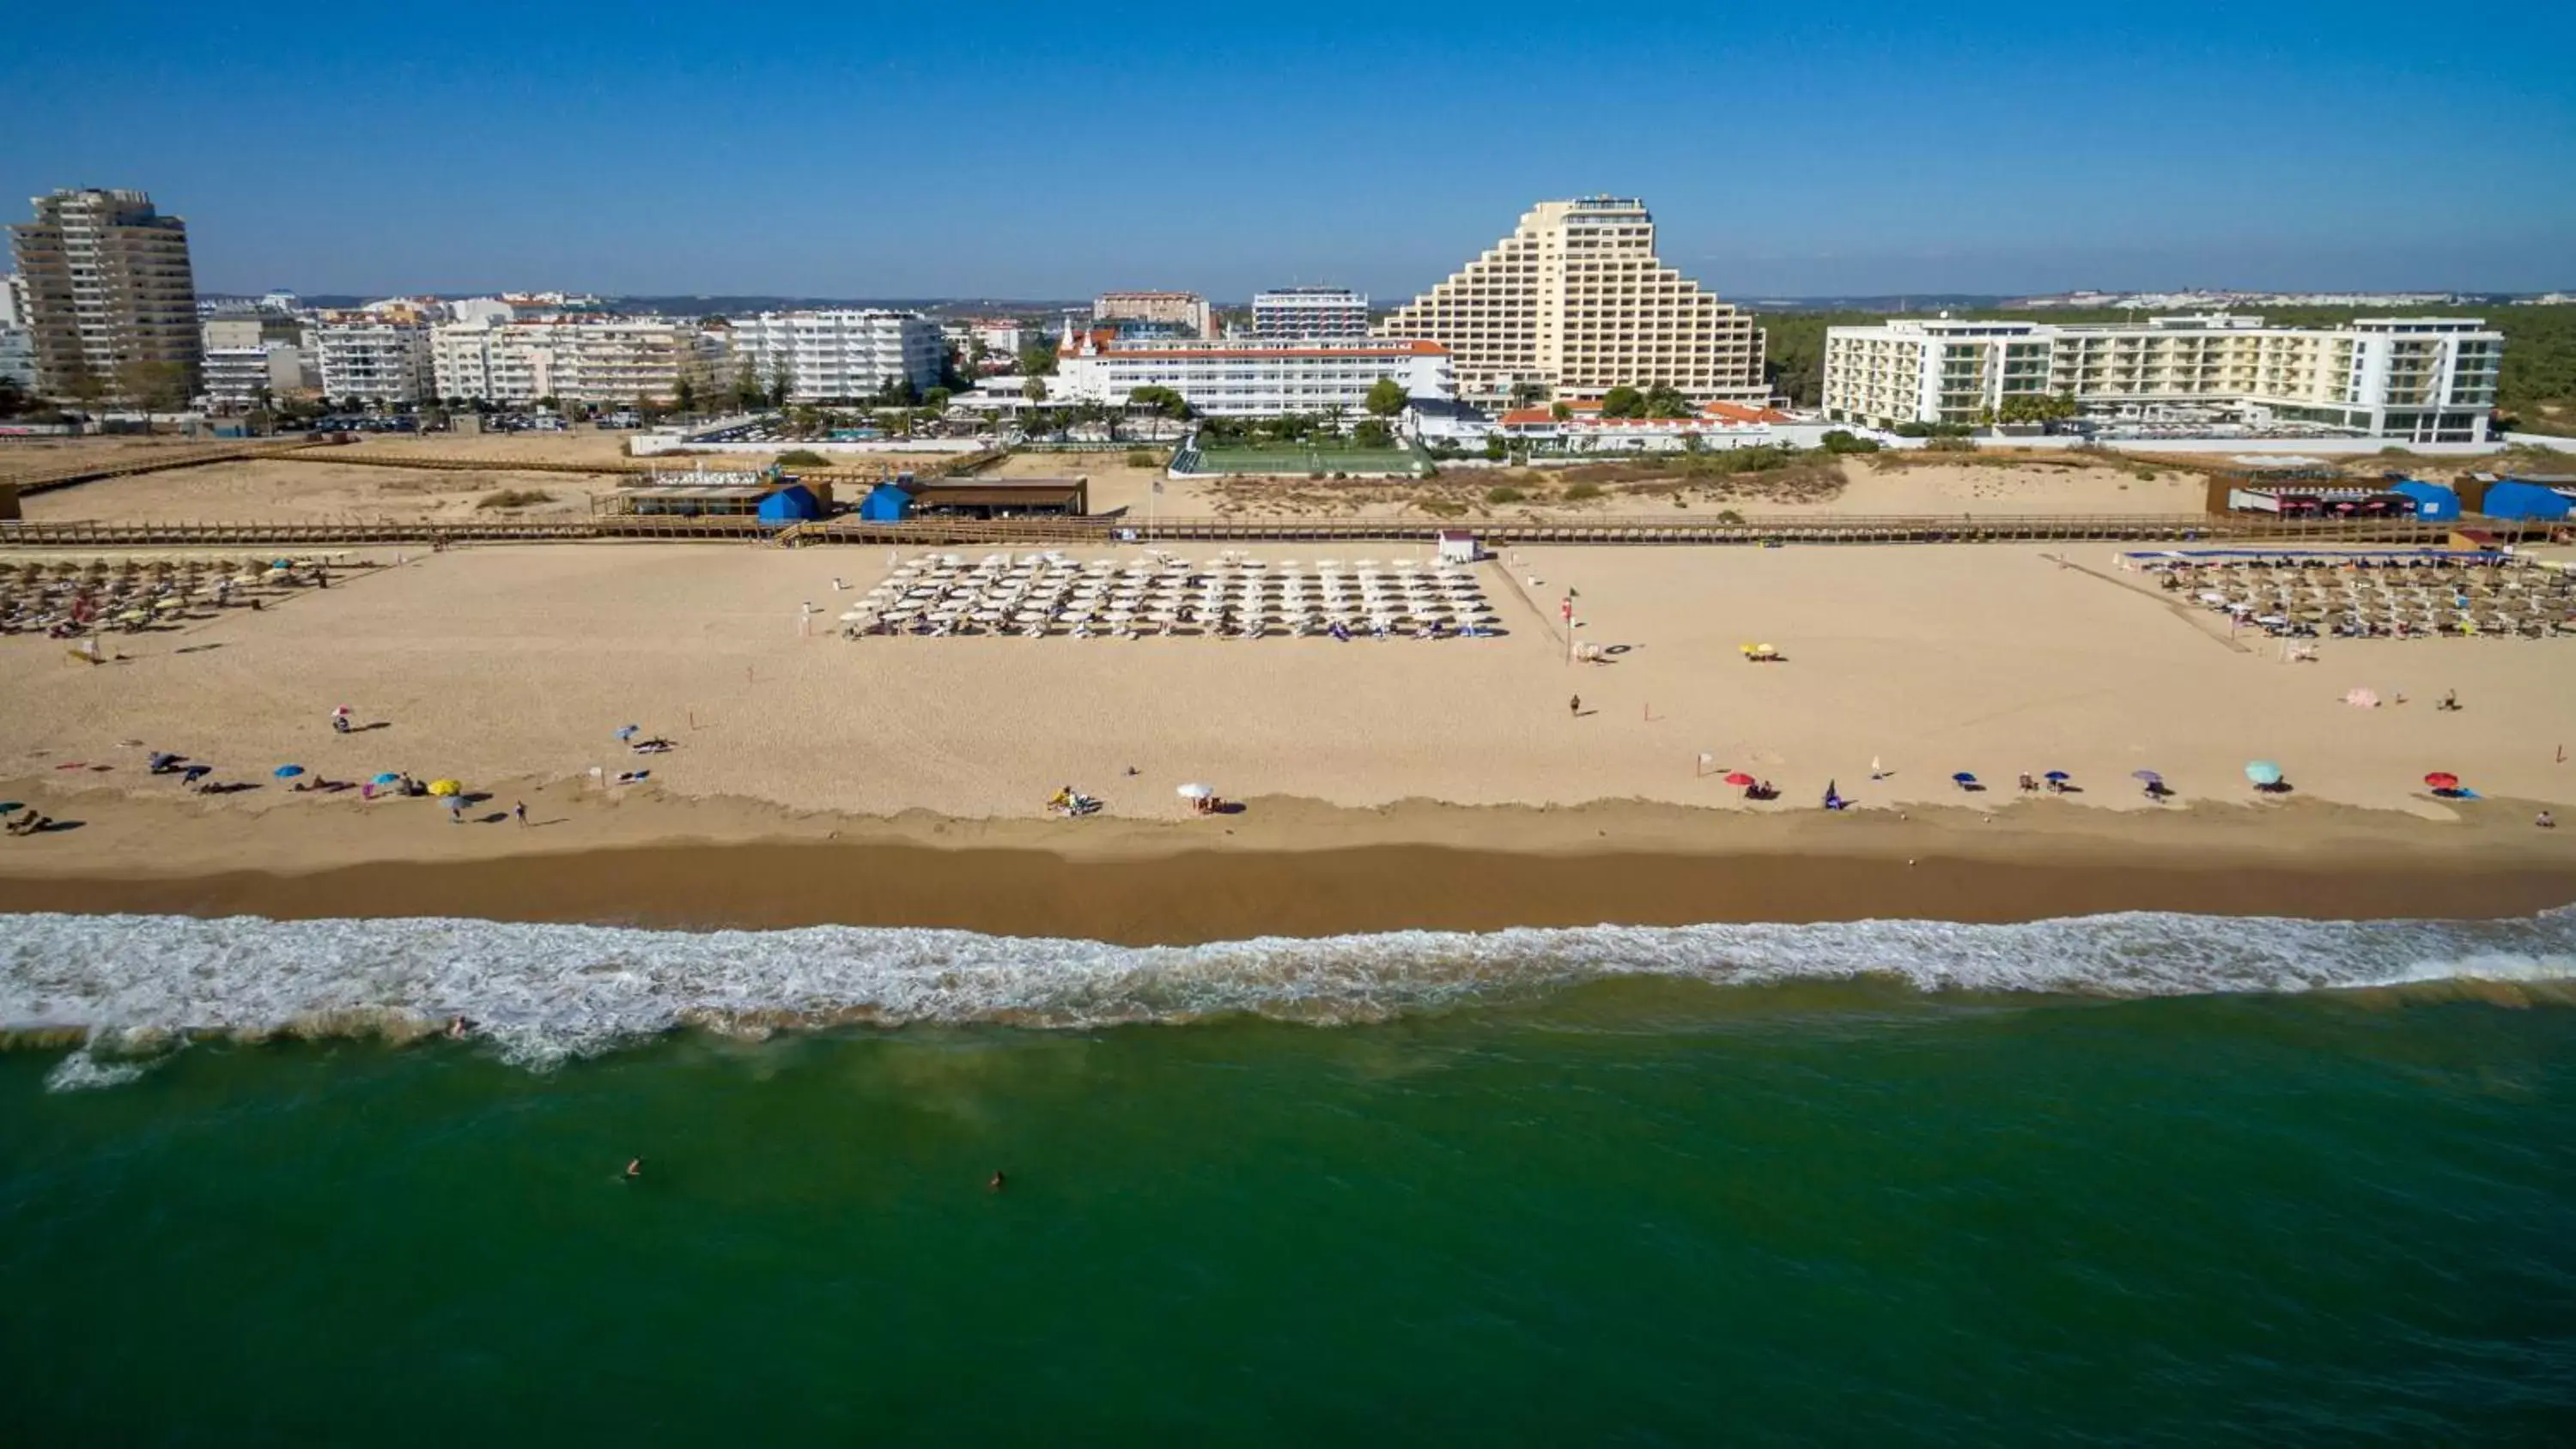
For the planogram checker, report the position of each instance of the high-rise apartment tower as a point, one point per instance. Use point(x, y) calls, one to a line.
point(111, 301)
point(1574, 303)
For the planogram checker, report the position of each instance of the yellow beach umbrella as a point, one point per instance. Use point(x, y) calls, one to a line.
point(445, 787)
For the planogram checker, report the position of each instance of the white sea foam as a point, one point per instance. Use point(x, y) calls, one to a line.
point(545, 992)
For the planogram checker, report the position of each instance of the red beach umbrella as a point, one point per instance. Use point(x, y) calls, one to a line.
point(2442, 780)
point(1739, 778)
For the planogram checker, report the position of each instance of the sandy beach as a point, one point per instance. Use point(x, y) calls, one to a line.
point(511, 669)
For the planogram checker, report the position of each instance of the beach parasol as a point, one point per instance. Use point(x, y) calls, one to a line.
point(386, 778)
point(1964, 777)
point(1739, 778)
point(287, 772)
point(2148, 776)
point(2263, 772)
point(2442, 780)
point(446, 787)
point(1197, 792)
point(2058, 775)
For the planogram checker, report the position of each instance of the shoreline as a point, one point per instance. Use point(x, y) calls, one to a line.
point(1287, 867)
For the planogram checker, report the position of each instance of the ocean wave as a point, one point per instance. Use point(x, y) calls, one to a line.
point(130, 984)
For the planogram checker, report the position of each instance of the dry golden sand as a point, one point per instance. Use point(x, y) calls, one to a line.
point(515, 664)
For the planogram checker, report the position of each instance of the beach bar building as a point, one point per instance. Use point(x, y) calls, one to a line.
point(2322, 500)
point(907, 497)
point(706, 493)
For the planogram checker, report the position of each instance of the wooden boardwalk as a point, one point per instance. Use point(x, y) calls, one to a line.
point(1026, 532)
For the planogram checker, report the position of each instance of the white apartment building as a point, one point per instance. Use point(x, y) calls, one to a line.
point(609, 361)
point(1574, 303)
point(838, 355)
point(2414, 379)
point(108, 292)
point(242, 362)
point(1242, 378)
point(17, 346)
point(1181, 309)
point(376, 357)
point(1309, 314)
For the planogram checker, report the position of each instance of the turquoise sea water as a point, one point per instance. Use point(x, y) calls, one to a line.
point(1551, 1207)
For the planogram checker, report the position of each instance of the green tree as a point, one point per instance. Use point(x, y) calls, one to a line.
point(684, 394)
point(1037, 359)
point(1494, 446)
point(1560, 411)
point(781, 383)
point(1623, 402)
point(1527, 394)
point(1373, 433)
point(1034, 390)
point(1386, 398)
point(746, 387)
point(1664, 400)
point(1162, 400)
point(936, 399)
point(158, 386)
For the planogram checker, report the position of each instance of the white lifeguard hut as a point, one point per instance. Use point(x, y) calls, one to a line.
point(1457, 546)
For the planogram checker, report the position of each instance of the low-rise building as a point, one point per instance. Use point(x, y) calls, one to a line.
point(1237, 377)
point(2418, 379)
point(1309, 314)
point(1583, 428)
point(377, 357)
point(840, 355)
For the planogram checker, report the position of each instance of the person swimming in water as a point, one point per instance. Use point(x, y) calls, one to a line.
point(996, 1184)
point(634, 1167)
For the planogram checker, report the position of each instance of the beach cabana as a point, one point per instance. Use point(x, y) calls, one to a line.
point(2433, 502)
point(794, 503)
point(2530, 501)
point(888, 502)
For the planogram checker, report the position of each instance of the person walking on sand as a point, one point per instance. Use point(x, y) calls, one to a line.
point(340, 720)
point(1574, 707)
point(519, 812)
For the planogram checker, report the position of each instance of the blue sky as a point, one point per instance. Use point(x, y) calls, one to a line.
point(1054, 151)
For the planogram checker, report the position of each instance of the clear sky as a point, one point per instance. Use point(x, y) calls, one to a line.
point(1001, 150)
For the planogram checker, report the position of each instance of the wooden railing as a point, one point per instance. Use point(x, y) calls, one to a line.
point(1755, 530)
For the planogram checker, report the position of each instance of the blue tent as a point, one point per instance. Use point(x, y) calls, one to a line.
point(794, 503)
point(2511, 499)
point(2433, 502)
point(886, 503)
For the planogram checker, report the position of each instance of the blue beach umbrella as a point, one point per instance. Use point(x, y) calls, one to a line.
point(2057, 775)
point(2263, 772)
point(287, 772)
point(1964, 778)
point(387, 778)
point(2149, 776)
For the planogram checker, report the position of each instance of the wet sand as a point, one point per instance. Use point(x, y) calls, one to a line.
point(1301, 868)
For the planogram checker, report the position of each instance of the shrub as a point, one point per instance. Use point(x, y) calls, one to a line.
point(514, 498)
point(1950, 445)
point(1142, 459)
point(1841, 440)
point(1582, 492)
point(1504, 495)
point(803, 458)
point(1729, 515)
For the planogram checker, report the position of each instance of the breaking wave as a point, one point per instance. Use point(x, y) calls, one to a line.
point(130, 984)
